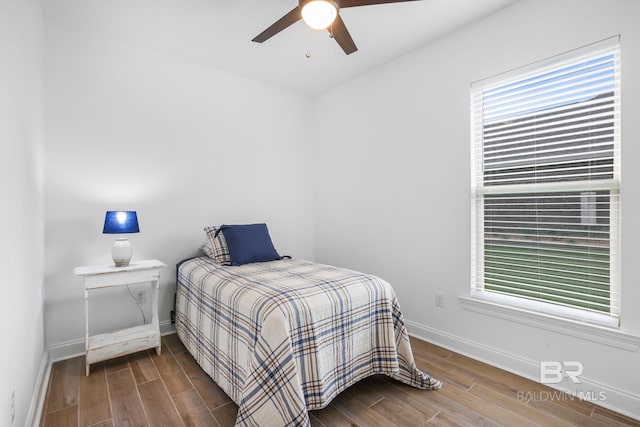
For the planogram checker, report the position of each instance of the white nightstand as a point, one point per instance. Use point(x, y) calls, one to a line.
point(118, 343)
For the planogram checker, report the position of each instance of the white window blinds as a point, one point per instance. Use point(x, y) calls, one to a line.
point(546, 179)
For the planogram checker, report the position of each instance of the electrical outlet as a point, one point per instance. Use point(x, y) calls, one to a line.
point(140, 297)
point(13, 406)
point(439, 299)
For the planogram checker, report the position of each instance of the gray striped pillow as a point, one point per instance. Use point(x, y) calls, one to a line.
point(220, 251)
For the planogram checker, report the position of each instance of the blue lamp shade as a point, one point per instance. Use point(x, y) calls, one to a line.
point(121, 222)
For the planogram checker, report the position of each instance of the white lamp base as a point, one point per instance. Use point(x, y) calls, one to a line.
point(121, 252)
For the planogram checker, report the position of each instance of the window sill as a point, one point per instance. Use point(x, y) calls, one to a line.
point(574, 328)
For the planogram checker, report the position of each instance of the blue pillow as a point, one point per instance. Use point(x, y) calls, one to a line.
point(249, 243)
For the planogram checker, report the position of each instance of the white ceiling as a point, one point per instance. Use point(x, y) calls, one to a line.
point(218, 33)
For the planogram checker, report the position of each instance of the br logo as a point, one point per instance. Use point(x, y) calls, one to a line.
point(552, 372)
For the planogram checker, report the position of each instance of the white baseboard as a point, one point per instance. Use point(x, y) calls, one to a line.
point(40, 391)
point(63, 351)
point(66, 350)
point(614, 399)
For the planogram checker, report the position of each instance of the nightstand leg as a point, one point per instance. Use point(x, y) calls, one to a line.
point(154, 313)
point(86, 331)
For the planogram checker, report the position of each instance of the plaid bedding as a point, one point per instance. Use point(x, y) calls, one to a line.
point(284, 337)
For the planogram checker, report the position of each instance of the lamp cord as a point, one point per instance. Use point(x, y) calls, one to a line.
point(144, 318)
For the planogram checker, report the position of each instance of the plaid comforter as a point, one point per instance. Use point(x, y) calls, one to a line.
point(284, 337)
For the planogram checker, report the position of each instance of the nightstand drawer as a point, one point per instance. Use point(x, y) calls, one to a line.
point(119, 279)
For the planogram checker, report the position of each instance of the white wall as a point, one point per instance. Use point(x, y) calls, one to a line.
point(393, 181)
point(184, 145)
point(21, 220)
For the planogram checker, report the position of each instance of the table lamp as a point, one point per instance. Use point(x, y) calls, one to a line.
point(121, 222)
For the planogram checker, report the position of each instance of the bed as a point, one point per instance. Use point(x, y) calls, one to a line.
point(285, 337)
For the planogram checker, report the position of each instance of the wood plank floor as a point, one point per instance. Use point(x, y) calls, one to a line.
point(144, 389)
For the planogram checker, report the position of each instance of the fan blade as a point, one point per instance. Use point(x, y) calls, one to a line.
point(290, 18)
point(342, 36)
point(355, 3)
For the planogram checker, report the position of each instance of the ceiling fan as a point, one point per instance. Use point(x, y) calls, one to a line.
point(321, 14)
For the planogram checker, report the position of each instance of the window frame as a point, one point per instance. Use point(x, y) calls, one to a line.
point(478, 190)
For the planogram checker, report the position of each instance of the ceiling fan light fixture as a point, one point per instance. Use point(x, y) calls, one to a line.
point(319, 14)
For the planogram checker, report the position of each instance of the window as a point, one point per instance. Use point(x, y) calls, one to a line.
point(545, 185)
